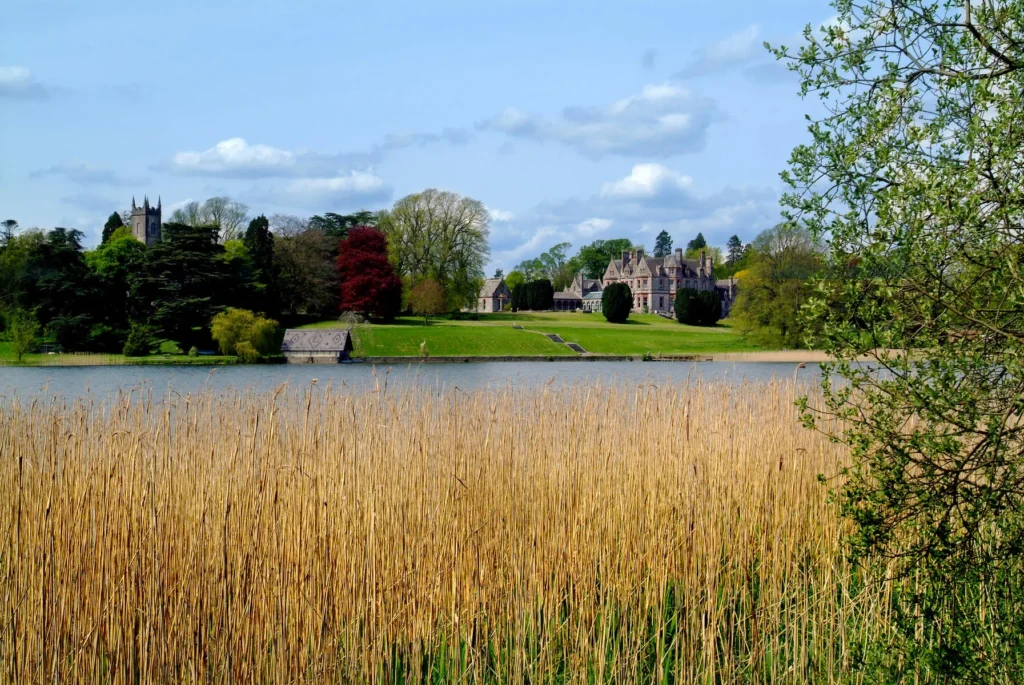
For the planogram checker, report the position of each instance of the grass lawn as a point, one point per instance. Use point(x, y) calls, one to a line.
point(493, 335)
point(99, 359)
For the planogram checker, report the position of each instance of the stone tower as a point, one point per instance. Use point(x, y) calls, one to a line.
point(146, 223)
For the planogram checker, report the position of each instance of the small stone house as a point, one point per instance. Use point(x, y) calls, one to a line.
point(316, 346)
point(493, 295)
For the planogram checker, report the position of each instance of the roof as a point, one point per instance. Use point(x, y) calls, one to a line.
point(491, 286)
point(593, 296)
point(316, 340)
point(567, 295)
point(725, 282)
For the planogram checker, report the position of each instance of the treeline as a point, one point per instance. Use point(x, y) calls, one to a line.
point(285, 268)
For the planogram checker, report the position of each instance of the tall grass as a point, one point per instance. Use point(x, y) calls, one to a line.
point(586, 534)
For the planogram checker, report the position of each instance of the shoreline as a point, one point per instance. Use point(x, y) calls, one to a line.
point(767, 356)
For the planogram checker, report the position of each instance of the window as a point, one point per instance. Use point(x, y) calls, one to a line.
point(661, 303)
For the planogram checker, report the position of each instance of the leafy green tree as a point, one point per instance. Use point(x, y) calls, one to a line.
point(139, 342)
point(440, 236)
point(114, 222)
point(184, 279)
point(498, 273)
point(697, 243)
point(515, 278)
point(307, 277)
point(23, 330)
point(234, 327)
point(259, 242)
point(616, 302)
point(594, 258)
point(427, 299)
point(913, 175)
point(663, 245)
point(115, 266)
point(776, 286)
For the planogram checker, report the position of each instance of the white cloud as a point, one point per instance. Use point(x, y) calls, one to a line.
point(593, 226)
point(17, 83)
point(661, 120)
point(236, 157)
point(732, 51)
point(500, 215)
point(355, 183)
point(647, 181)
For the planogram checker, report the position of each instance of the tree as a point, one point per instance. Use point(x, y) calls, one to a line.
point(697, 307)
point(734, 250)
point(536, 295)
point(427, 299)
point(776, 285)
point(663, 245)
point(913, 176)
point(616, 302)
point(594, 258)
point(368, 281)
point(338, 225)
point(139, 341)
point(498, 273)
point(185, 280)
point(259, 245)
point(441, 236)
point(307, 277)
point(514, 278)
point(23, 329)
point(8, 229)
point(116, 266)
point(235, 327)
point(114, 222)
point(222, 212)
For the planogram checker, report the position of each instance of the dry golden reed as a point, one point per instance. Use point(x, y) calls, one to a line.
point(670, 533)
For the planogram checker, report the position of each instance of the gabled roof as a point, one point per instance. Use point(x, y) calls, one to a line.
point(491, 286)
point(567, 295)
point(593, 296)
point(316, 340)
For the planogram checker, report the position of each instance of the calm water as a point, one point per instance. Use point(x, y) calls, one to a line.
point(71, 382)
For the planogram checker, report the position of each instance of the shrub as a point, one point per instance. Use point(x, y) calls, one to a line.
point(246, 353)
point(536, 296)
point(193, 351)
point(616, 302)
point(23, 329)
point(70, 332)
point(138, 343)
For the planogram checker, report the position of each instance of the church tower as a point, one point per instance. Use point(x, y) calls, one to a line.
point(146, 222)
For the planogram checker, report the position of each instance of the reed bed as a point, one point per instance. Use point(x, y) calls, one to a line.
point(620, 534)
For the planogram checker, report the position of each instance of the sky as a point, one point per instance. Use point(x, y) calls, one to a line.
point(571, 121)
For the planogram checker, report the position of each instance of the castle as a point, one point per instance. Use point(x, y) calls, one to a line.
point(146, 222)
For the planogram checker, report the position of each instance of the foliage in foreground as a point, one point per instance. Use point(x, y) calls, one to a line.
point(915, 179)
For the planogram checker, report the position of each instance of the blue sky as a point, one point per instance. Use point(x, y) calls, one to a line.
point(572, 121)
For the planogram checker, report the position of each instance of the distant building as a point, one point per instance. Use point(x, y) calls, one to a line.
point(146, 222)
point(493, 295)
point(726, 288)
point(592, 301)
point(655, 280)
point(316, 346)
point(573, 297)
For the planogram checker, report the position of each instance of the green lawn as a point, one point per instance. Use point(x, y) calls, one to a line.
point(88, 359)
point(493, 335)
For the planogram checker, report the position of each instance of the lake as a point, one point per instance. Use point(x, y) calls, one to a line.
point(71, 382)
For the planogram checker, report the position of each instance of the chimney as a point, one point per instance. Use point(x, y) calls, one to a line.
point(625, 257)
point(679, 253)
point(639, 254)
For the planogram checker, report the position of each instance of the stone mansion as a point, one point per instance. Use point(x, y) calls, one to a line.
point(655, 280)
point(652, 280)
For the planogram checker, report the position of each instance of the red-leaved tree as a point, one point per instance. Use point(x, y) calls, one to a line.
point(369, 285)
